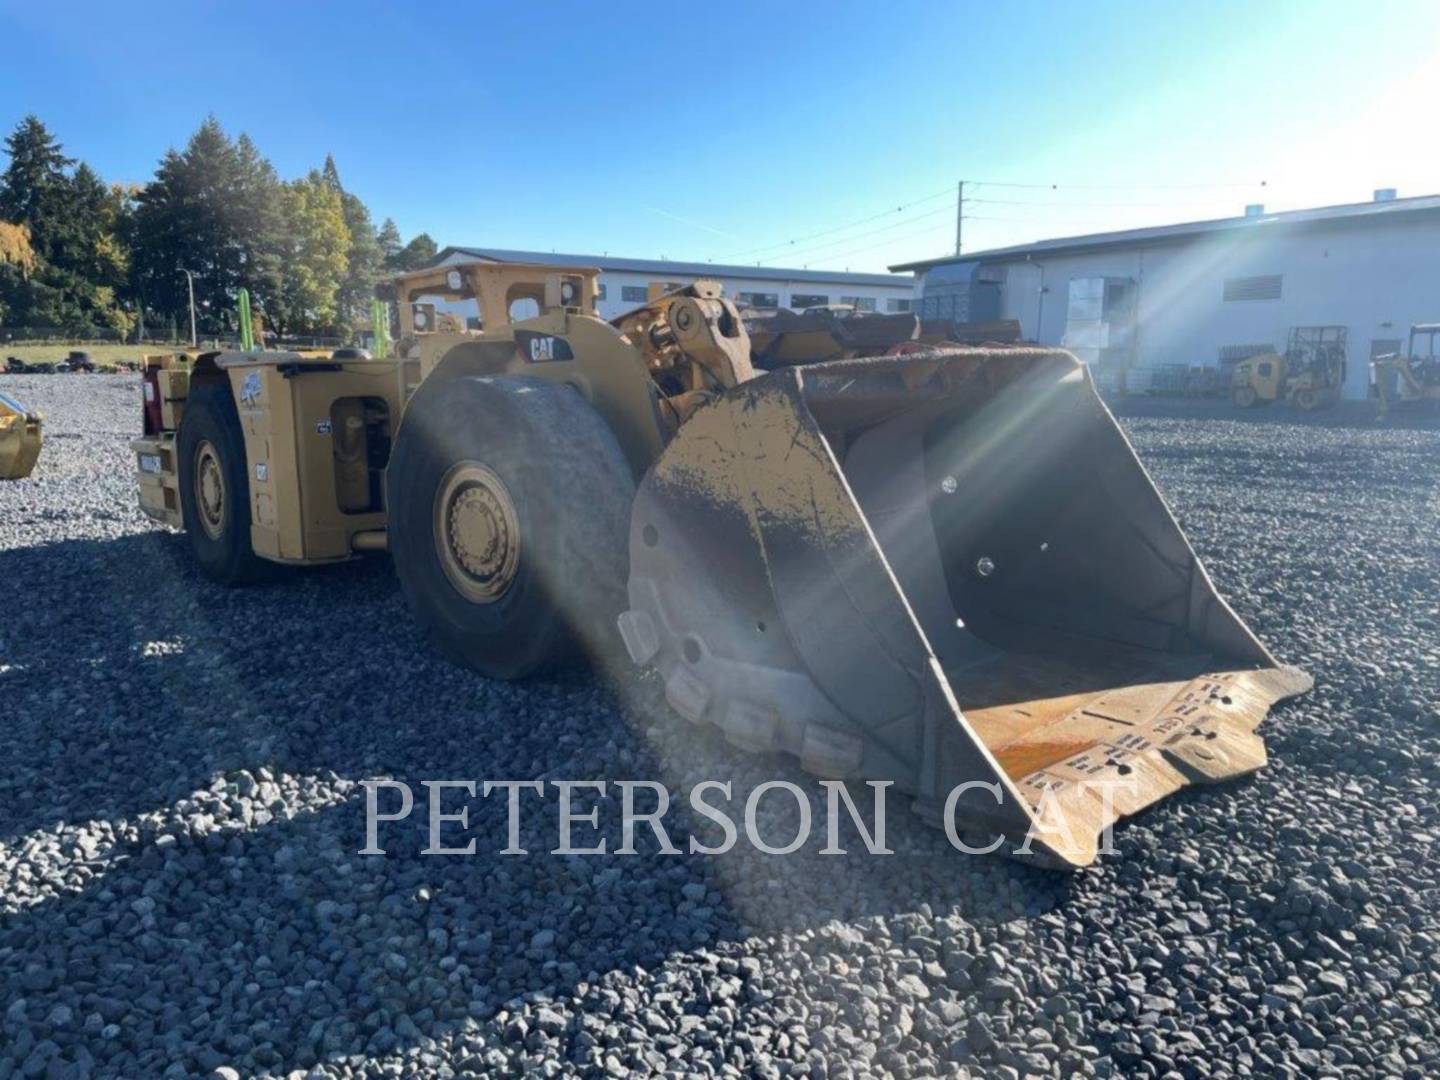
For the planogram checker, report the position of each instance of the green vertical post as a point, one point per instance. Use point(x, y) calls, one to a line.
point(247, 335)
point(380, 322)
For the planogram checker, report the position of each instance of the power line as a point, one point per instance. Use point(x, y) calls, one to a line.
point(871, 247)
point(1041, 221)
point(856, 236)
point(1117, 187)
point(798, 247)
point(1114, 205)
point(932, 231)
point(838, 228)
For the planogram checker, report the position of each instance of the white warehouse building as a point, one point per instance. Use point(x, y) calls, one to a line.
point(623, 282)
point(1207, 293)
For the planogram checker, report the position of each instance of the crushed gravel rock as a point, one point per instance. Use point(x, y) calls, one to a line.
point(181, 811)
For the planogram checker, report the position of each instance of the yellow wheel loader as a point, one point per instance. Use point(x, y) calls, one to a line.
point(20, 439)
point(1412, 376)
point(945, 569)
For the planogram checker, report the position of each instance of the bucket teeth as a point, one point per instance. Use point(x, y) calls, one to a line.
point(750, 727)
point(831, 754)
point(642, 641)
point(687, 694)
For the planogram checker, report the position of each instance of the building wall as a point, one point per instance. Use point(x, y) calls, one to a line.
point(615, 282)
point(783, 292)
point(1375, 280)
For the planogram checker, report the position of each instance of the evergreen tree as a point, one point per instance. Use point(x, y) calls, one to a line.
point(185, 221)
point(259, 222)
point(76, 252)
point(214, 209)
point(390, 243)
point(364, 259)
point(32, 190)
point(417, 254)
point(76, 236)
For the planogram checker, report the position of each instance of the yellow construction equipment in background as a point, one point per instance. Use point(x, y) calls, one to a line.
point(945, 568)
point(20, 439)
point(1411, 376)
point(1309, 376)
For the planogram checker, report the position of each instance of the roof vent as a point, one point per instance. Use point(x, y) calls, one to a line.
point(1385, 194)
point(1255, 209)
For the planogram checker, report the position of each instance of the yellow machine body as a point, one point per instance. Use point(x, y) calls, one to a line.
point(316, 433)
point(945, 568)
point(20, 439)
point(1411, 377)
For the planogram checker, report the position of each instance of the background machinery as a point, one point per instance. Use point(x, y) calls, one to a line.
point(1411, 376)
point(930, 568)
point(1309, 376)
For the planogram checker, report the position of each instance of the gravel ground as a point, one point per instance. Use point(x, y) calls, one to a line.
point(180, 816)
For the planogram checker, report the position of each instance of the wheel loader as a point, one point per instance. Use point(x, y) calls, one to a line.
point(945, 569)
point(20, 439)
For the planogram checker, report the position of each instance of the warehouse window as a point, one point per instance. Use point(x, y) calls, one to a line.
point(859, 303)
point(1263, 287)
point(759, 299)
point(632, 294)
point(800, 301)
point(897, 306)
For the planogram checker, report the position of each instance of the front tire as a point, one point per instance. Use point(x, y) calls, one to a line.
point(215, 487)
point(509, 515)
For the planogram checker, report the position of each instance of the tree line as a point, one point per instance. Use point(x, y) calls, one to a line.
point(78, 254)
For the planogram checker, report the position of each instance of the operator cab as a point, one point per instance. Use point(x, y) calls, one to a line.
point(503, 293)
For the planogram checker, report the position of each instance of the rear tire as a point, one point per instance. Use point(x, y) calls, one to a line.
point(215, 487)
point(509, 515)
point(1243, 396)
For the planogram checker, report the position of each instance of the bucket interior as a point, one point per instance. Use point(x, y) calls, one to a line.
point(1049, 579)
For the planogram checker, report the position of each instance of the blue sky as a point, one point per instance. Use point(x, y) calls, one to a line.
point(726, 131)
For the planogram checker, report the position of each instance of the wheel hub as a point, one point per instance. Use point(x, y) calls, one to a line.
point(477, 532)
point(209, 490)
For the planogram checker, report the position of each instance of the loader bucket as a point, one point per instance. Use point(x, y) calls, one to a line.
point(941, 568)
point(20, 439)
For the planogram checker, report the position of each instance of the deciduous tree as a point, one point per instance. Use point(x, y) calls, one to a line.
point(315, 257)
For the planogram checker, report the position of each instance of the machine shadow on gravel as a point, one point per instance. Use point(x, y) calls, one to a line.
point(174, 719)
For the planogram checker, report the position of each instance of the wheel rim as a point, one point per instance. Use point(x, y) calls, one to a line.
point(477, 532)
point(209, 490)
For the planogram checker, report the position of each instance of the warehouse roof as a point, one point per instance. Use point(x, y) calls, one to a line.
point(1346, 214)
point(665, 267)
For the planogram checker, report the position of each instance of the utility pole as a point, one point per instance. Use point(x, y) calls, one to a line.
point(959, 215)
point(190, 281)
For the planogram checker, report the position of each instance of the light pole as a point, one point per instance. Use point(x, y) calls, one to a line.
point(190, 282)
